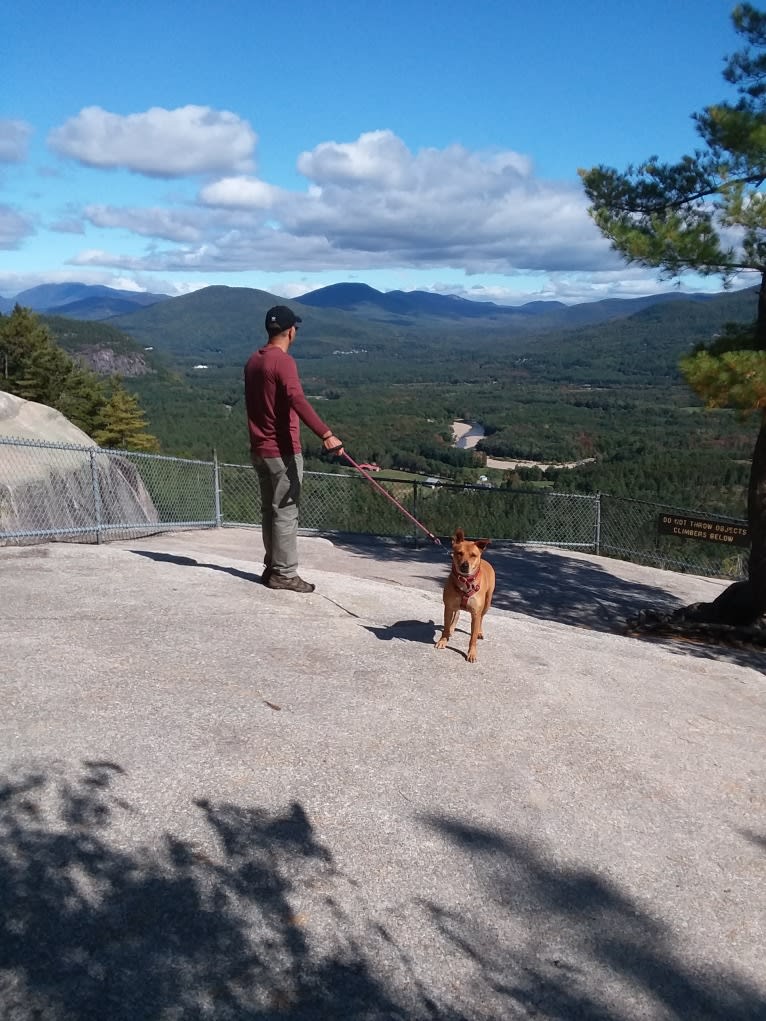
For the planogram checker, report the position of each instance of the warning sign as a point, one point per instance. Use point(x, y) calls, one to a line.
point(703, 528)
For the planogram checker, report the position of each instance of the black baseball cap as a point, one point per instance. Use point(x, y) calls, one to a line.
point(281, 318)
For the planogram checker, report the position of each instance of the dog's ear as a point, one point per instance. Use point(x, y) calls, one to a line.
point(482, 543)
point(459, 536)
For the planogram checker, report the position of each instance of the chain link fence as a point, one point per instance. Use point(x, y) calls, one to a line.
point(88, 494)
point(630, 530)
point(64, 491)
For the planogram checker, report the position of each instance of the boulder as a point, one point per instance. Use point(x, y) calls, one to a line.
point(56, 483)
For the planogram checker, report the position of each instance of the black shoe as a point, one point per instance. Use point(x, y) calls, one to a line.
point(267, 573)
point(294, 584)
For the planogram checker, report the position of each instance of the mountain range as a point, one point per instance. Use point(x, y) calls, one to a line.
point(393, 306)
point(218, 327)
point(80, 301)
point(398, 308)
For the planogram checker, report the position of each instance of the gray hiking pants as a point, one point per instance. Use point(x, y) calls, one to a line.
point(280, 482)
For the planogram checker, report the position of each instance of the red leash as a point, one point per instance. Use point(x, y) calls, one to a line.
point(388, 496)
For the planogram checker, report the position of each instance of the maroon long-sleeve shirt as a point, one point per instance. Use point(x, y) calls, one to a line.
point(275, 402)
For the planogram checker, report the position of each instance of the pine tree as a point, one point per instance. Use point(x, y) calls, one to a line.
point(82, 398)
point(707, 213)
point(121, 423)
point(33, 367)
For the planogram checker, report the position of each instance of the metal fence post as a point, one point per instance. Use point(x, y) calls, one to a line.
point(96, 494)
point(217, 487)
point(597, 543)
point(414, 504)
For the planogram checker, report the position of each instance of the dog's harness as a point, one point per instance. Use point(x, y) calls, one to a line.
point(468, 585)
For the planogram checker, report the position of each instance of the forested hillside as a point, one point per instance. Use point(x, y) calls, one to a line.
point(36, 368)
point(610, 393)
point(424, 308)
point(641, 349)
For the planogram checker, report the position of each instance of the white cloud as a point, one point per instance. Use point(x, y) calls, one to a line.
point(450, 207)
point(14, 136)
point(569, 288)
point(240, 193)
point(156, 286)
point(159, 142)
point(483, 212)
point(376, 158)
point(170, 224)
point(294, 288)
point(67, 225)
point(381, 160)
point(374, 204)
point(233, 251)
point(13, 227)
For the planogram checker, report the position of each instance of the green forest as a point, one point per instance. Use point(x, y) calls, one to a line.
point(34, 366)
point(609, 393)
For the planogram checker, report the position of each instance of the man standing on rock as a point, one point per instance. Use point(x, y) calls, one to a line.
point(276, 405)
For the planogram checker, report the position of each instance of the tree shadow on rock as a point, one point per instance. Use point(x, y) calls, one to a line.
point(757, 839)
point(569, 590)
point(553, 586)
point(561, 942)
point(100, 922)
point(536, 582)
point(94, 926)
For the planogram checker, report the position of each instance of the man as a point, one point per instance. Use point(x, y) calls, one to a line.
point(275, 403)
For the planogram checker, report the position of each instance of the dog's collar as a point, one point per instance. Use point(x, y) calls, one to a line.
point(468, 584)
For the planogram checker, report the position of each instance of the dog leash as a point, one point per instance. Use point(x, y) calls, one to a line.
point(388, 496)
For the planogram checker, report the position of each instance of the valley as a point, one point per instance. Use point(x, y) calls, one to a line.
point(596, 403)
point(469, 434)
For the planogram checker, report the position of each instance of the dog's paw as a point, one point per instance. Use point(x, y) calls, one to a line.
point(471, 656)
point(441, 644)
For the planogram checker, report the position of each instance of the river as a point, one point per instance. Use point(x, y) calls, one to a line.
point(468, 434)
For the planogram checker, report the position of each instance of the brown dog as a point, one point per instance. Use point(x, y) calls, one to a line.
point(470, 585)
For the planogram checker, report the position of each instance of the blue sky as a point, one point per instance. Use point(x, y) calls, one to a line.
point(167, 146)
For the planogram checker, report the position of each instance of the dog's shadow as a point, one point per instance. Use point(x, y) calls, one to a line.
point(407, 631)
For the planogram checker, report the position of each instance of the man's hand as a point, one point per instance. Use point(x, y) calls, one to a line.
point(332, 445)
